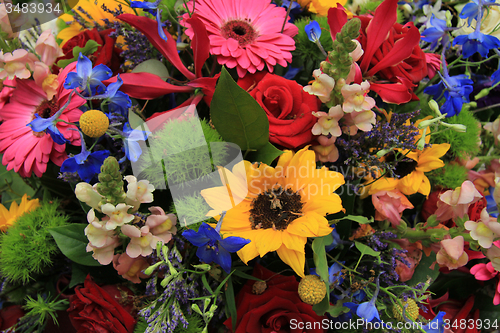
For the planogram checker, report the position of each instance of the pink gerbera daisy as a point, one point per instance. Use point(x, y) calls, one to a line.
point(245, 34)
point(26, 151)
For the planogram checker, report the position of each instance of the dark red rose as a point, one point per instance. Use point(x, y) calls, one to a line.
point(430, 205)
point(95, 309)
point(476, 208)
point(288, 107)
point(9, 316)
point(275, 309)
point(107, 54)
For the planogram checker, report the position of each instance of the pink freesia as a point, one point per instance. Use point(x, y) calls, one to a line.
point(14, 64)
point(28, 152)
point(246, 35)
point(455, 203)
point(130, 268)
point(47, 48)
point(452, 254)
point(390, 205)
point(485, 230)
point(161, 225)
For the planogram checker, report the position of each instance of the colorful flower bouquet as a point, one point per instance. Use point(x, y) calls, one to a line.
point(250, 166)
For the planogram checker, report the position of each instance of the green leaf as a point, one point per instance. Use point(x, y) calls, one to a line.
point(337, 309)
point(358, 218)
point(72, 242)
point(423, 271)
point(365, 249)
point(152, 66)
point(237, 116)
point(318, 247)
point(78, 275)
point(266, 154)
point(231, 303)
point(13, 186)
point(90, 48)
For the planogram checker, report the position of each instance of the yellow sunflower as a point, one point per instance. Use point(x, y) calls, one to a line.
point(321, 7)
point(283, 207)
point(8, 217)
point(94, 9)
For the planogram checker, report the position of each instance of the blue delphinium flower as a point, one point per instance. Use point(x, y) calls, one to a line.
point(436, 325)
point(368, 310)
point(87, 77)
point(132, 148)
point(152, 8)
point(476, 41)
point(117, 101)
point(471, 10)
point(313, 31)
point(437, 34)
point(48, 125)
point(295, 10)
point(87, 164)
point(455, 89)
point(495, 77)
point(211, 246)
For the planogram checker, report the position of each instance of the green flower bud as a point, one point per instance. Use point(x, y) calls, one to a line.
point(456, 127)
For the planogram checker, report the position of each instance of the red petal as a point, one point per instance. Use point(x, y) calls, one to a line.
point(395, 93)
point(200, 43)
point(337, 17)
point(376, 32)
point(402, 49)
point(146, 85)
point(167, 48)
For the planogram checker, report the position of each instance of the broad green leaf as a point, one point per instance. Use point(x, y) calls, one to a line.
point(78, 275)
point(72, 242)
point(337, 309)
point(365, 249)
point(152, 66)
point(319, 256)
point(90, 48)
point(237, 116)
point(266, 154)
point(13, 186)
point(423, 271)
point(358, 218)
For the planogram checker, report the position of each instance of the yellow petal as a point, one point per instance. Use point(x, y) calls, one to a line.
point(305, 226)
point(248, 252)
point(267, 240)
point(294, 259)
point(294, 242)
point(425, 187)
point(324, 204)
point(411, 183)
point(323, 182)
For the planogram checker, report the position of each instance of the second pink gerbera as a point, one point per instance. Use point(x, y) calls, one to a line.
point(246, 34)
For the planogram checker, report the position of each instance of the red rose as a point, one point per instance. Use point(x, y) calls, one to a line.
point(99, 310)
point(288, 108)
point(107, 54)
point(275, 309)
point(476, 208)
point(9, 316)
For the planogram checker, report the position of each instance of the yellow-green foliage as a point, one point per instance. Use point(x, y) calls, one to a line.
point(27, 247)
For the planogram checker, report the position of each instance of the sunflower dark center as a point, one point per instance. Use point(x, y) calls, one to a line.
point(240, 30)
point(276, 209)
point(404, 167)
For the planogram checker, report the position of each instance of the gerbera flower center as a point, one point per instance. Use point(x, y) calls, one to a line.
point(276, 209)
point(46, 109)
point(240, 30)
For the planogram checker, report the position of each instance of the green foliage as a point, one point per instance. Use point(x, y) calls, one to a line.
point(193, 207)
point(39, 311)
point(13, 186)
point(307, 51)
point(72, 242)
point(237, 116)
point(27, 247)
point(462, 144)
point(449, 176)
point(110, 182)
point(187, 157)
point(141, 325)
point(90, 47)
point(368, 7)
point(266, 154)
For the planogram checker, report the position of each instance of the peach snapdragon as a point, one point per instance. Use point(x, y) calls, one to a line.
point(452, 254)
point(485, 230)
point(455, 203)
point(14, 64)
point(322, 86)
point(356, 98)
point(328, 123)
point(118, 215)
point(47, 48)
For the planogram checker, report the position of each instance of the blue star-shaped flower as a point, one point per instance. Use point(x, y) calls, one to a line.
point(313, 31)
point(476, 41)
point(117, 101)
point(152, 8)
point(132, 148)
point(437, 34)
point(471, 10)
point(436, 325)
point(87, 78)
point(211, 246)
point(48, 125)
point(87, 164)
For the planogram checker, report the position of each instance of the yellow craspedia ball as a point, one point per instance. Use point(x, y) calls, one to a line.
point(311, 289)
point(411, 311)
point(94, 123)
